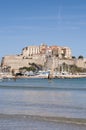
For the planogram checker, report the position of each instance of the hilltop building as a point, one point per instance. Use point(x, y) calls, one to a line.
point(42, 55)
point(60, 52)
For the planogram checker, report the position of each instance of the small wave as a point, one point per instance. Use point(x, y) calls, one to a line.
point(49, 88)
point(78, 121)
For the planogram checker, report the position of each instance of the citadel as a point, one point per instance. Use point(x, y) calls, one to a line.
point(47, 56)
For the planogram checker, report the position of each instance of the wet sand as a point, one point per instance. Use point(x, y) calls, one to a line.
point(24, 122)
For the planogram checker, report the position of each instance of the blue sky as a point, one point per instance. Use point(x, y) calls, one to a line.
point(32, 22)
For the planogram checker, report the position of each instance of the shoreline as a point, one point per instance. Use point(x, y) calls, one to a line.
point(53, 77)
point(59, 76)
point(70, 76)
point(67, 120)
point(40, 123)
point(44, 77)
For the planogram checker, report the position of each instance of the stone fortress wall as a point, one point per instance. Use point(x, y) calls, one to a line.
point(49, 56)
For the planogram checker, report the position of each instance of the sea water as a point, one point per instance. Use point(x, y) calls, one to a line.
point(42, 104)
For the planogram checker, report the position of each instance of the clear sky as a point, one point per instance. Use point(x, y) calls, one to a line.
point(32, 22)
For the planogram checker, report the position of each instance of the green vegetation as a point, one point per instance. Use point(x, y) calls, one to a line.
point(31, 68)
point(80, 57)
point(73, 57)
point(70, 68)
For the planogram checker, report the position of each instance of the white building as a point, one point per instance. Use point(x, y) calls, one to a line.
point(30, 51)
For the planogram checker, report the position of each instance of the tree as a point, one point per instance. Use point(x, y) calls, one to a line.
point(80, 57)
point(36, 66)
point(65, 66)
point(31, 68)
point(73, 57)
point(73, 69)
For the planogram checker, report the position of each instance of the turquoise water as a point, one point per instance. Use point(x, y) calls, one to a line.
point(56, 100)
